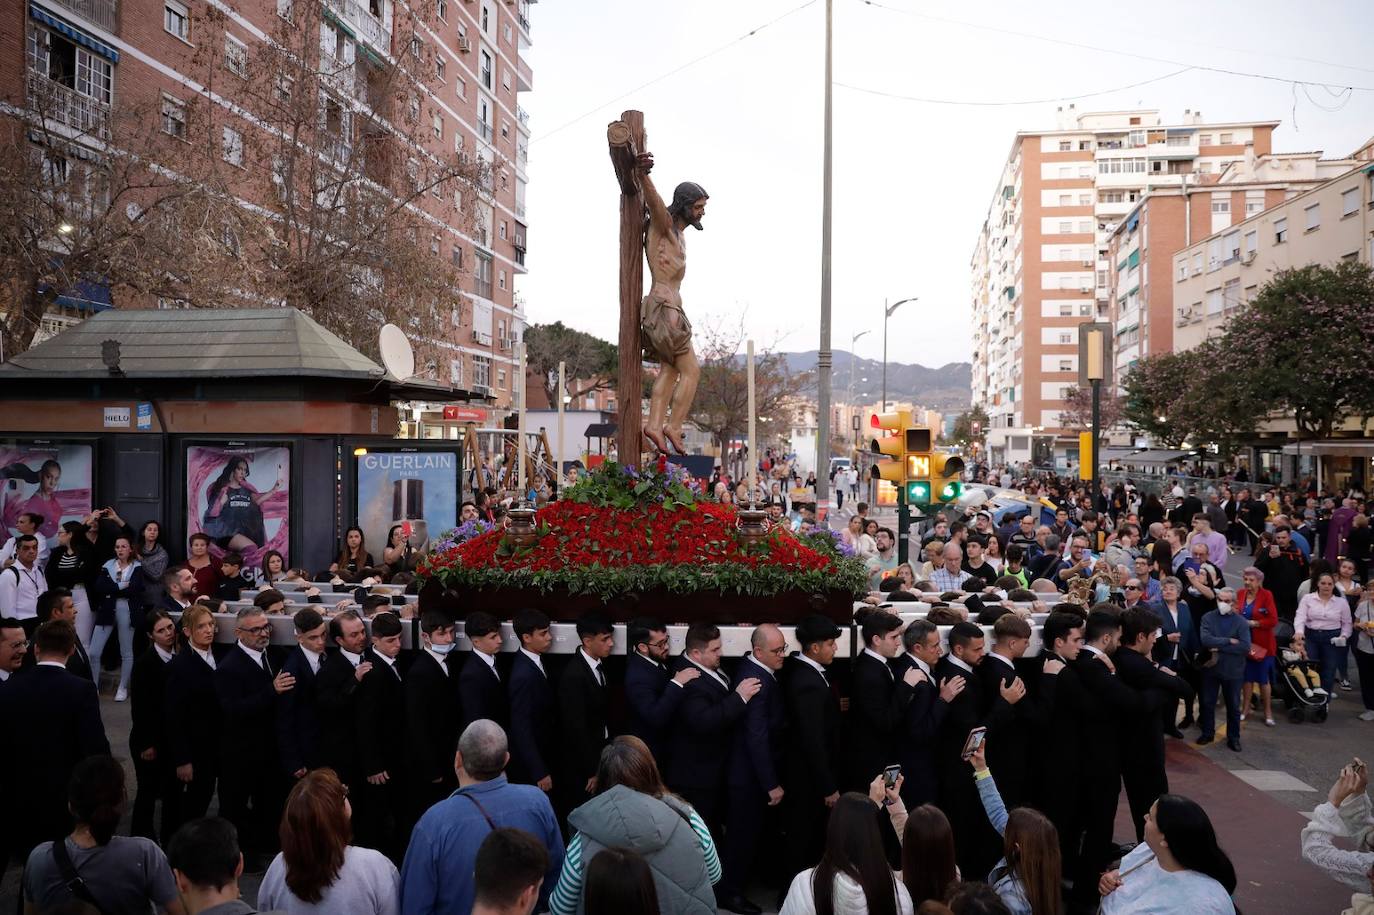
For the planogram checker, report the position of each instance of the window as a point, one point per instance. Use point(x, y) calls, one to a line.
point(1214, 254)
point(1066, 365)
point(1065, 228)
point(434, 244)
point(1226, 139)
point(486, 18)
point(417, 47)
point(484, 72)
point(1066, 200)
point(1066, 338)
point(460, 85)
point(1085, 200)
point(1204, 139)
point(1066, 310)
point(235, 56)
point(176, 19)
point(1065, 146)
point(174, 117)
point(1350, 201)
point(505, 129)
point(441, 69)
point(1251, 242)
point(1230, 244)
point(1221, 206)
point(1254, 202)
point(1313, 216)
point(1085, 226)
point(1182, 270)
point(1197, 262)
point(1230, 294)
point(455, 372)
point(283, 87)
point(441, 9)
point(1250, 292)
point(481, 274)
point(1066, 254)
point(458, 257)
point(232, 143)
point(438, 126)
point(501, 279)
point(1113, 196)
point(1065, 171)
point(1214, 301)
point(501, 231)
point(1280, 231)
point(285, 9)
point(510, 36)
point(505, 79)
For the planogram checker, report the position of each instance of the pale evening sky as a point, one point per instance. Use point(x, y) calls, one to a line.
point(912, 180)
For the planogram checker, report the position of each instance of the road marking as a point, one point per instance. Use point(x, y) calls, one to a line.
point(1271, 780)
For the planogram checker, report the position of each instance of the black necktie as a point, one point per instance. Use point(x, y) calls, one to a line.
point(265, 666)
point(600, 677)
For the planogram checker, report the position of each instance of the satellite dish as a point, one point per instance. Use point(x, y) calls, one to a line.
point(397, 355)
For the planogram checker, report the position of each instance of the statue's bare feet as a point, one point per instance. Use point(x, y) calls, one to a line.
point(675, 436)
point(656, 440)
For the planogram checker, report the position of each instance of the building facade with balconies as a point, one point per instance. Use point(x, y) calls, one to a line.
point(1040, 263)
point(77, 63)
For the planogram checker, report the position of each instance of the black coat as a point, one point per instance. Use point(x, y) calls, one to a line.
point(1009, 740)
point(651, 703)
point(811, 764)
point(533, 732)
point(79, 663)
point(382, 720)
point(148, 703)
point(756, 751)
point(433, 718)
point(248, 703)
point(1142, 735)
point(976, 844)
point(702, 730)
point(481, 692)
point(921, 722)
point(106, 594)
point(1109, 703)
point(336, 708)
point(193, 713)
point(298, 716)
point(1055, 749)
point(877, 706)
point(582, 705)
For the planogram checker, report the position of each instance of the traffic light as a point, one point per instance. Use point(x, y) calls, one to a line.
point(947, 472)
point(910, 450)
point(892, 446)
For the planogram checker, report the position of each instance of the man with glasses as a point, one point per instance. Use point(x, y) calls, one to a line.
point(14, 645)
point(1079, 563)
point(1151, 588)
point(247, 683)
point(1135, 595)
point(651, 691)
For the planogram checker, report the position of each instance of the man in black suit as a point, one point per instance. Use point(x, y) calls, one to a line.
point(752, 775)
point(247, 683)
point(976, 845)
point(481, 691)
point(533, 744)
point(704, 725)
point(433, 717)
point(1009, 744)
point(1142, 748)
point(57, 604)
point(811, 764)
point(924, 713)
point(178, 589)
point(652, 692)
point(382, 742)
point(878, 700)
point(336, 698)
point(14, 647)
point(582, 705)
point(1055, 760)
point(298, 718)
point(55, 717)
point(147, 736)
point(1110, 702)
point(192, 722)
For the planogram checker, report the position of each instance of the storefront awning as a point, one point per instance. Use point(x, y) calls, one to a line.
point(1333, 447)
point(77, 35)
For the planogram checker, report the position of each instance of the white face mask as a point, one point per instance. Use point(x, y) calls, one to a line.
point(1223, 607)
point(441, 649)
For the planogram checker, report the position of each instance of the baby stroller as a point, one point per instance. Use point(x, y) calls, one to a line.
point(1300, 684)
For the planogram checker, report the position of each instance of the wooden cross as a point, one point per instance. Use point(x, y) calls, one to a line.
point(625, 138)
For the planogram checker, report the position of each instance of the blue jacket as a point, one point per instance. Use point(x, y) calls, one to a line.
point(1217, 631)
point(533, 731)
point(1187, 643)
point(436, 877)
point(108, 594)
point(756, 754)
point(652, 701)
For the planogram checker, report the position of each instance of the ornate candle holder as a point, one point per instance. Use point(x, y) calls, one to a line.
point(752, 524)
point(522, 530)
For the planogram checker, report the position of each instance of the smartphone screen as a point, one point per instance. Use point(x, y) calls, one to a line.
point(974, 741)
point(890, 775)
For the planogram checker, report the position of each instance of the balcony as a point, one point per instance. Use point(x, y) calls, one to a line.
point(484, 130)
point(524, 77)
point(66, 106)
point(100, 12)
point(523, 117)
point(370, 27)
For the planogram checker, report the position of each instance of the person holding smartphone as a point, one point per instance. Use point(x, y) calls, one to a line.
point(1347, 812)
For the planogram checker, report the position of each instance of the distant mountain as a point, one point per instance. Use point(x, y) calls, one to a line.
point(945, 388)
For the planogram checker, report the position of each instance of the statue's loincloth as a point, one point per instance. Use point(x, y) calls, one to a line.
point(662, 338)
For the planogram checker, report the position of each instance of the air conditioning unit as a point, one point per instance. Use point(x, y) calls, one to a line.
point(464, 45)
point(1249, 258)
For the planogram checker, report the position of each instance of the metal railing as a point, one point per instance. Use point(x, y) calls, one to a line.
point(523, 116)
point(65, 105)
point(102, 12)
point(369, 27)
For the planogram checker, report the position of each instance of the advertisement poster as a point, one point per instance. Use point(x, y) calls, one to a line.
point(49, 479)
point(240, 496)
point(417, 490)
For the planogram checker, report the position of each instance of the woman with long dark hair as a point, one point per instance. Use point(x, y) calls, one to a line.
point(1178, 868)
point(928, 867)
point(619, 882)
point(397, 555)
point(354, 559)
point(852, 876)
point(273, 570)
point(1027, 878)
point(317, 870)
point(233, 508)
point(154, 560)
point(72, 566)
point(122, 873)
point(118, 590)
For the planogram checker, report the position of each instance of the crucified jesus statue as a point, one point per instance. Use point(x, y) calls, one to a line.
point(666, 332)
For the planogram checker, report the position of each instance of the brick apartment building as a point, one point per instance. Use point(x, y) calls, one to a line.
point(1040, 265)
point(393, 92)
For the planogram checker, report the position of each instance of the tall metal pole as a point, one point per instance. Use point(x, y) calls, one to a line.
point(823, 357)
point(886, 314)
point(1097, 437)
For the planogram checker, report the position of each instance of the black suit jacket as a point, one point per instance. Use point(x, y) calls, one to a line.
point(533, 738)
point(1055, 753)
point(79, 663)
point(1142, 744)
point(382, 720)
point(433, 718)
point(756, 752)
point(969, 710)
point(148, 703)
point(1109, 703)
point(481, 692)
point(582, 704)
point(248, 703)
point(193, 714)
point(652, 703)
point(298, 717)
point(1009, 739)
point(877, 705)
point(336, 708)
point(811, 765)
point(702, 730)
point(920, 725)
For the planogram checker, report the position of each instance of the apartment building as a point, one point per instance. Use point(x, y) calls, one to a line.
point(74, 67)
point(1040, 264)
point(1140, 252)
point(1217, 274)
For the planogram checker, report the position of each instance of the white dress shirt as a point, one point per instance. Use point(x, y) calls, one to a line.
point(313, 658)
point(538, 661)
point(881, 660)
point(205, 655)
point(351, 658)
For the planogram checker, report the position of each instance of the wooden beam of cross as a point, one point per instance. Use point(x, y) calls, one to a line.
point(625, 138)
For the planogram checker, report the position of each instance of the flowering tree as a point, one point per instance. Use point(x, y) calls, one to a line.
point(721, 406)
point(1078, 409)
point(1156, 388)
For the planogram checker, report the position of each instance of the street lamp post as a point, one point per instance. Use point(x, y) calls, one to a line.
point(887, 313)
point(852, 359)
